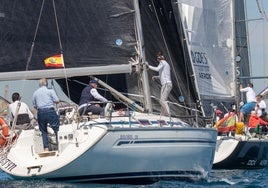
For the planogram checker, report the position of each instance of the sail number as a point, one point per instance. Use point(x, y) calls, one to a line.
point(205, 75)
point(199, 58)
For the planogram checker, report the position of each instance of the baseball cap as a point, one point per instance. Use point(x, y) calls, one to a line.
point(93, 82)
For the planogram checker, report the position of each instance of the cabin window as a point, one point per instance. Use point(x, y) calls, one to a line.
point(144, 122)
point(161, 122)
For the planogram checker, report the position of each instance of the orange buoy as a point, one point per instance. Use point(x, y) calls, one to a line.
point(4, 133)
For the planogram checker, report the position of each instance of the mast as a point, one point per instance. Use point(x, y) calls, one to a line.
point(241, 39)
point(244, 64)
point(144, 75)
point(236, 60)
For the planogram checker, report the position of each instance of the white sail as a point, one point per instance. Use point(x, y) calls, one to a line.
point(209, 33)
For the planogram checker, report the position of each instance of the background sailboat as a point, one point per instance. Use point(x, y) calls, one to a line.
point(217, 39)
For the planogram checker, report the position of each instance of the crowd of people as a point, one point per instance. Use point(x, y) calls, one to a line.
point(252, 113)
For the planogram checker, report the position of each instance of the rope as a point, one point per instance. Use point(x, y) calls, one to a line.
point(32, 46)
point(161, 30)
point(57, 25)
point(261, 10)
point(61, 51)
point(35, 33)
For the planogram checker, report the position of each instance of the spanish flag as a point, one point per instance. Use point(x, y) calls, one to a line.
point(55, 61)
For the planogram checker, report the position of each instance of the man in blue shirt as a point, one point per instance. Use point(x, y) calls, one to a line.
point(44, 100)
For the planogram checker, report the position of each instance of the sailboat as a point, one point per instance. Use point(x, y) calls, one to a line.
point(133, 144)
point(217, 44)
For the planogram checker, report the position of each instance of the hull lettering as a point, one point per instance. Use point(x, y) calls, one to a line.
point(7, 164)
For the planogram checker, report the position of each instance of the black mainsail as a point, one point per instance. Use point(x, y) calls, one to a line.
point(160, 33)
point(92, 33)
point(96, 38)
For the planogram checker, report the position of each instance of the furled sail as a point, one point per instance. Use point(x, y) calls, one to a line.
point(209, 31)
point(96, 37)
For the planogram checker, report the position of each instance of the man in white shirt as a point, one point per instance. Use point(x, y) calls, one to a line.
point(251, 101)
point(260, 106)
point(165, 78)
point(24, 114)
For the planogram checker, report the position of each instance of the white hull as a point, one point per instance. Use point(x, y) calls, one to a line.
point(120, 152)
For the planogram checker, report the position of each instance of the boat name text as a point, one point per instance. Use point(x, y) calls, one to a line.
point(253, 162)
point(128, 137)
point(7, 164)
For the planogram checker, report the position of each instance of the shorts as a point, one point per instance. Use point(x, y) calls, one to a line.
point(248, 107)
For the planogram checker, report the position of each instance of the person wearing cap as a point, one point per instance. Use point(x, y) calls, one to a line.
point(165, 78)
point(44, 101)
point(251, 101)
point(88, 99)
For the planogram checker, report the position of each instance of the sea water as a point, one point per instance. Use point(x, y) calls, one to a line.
point(217, 179)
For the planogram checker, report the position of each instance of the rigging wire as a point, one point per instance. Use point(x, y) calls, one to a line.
point(35, 33)
point(34, 38)
point(264, 19)
point(61, 51)
point(249, 34)
point(33, 42)
point(264, 33)
point(261, 10)
point(164, 39)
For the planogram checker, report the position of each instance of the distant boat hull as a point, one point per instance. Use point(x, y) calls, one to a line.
point(117, 154)
point(241, 153)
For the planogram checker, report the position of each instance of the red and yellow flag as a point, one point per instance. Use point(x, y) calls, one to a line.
point(55, 61)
